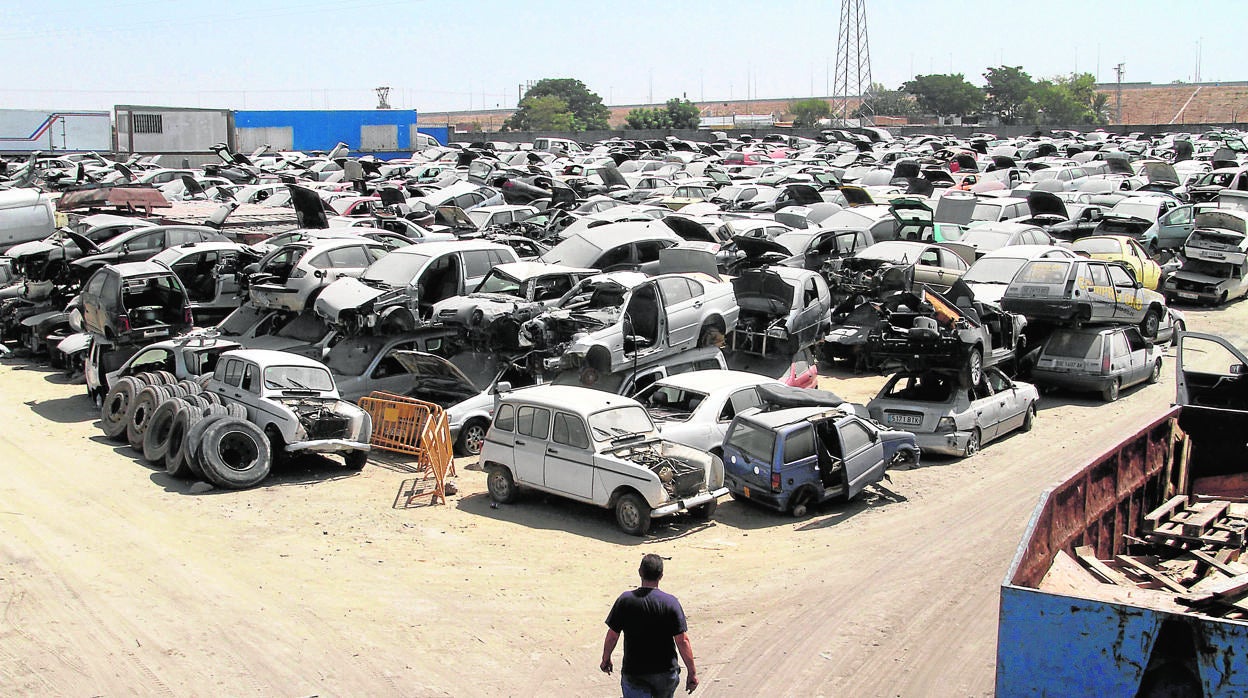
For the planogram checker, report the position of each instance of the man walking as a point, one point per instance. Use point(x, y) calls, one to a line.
point(654, 628)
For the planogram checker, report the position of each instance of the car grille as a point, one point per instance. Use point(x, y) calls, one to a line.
point(1190, 285)
point(329, 427)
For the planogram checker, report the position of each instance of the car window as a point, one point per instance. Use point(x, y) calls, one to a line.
point(1100, 276)
point(997, 381)
point(233, 372)
point(618, 255)
point(570, 431)
point(506, 418)
point(353, 257)
point(477, 263)
point(111, 288)
point(675, 290)
point(950, 260)
point(649, 251)
point(1119, 346)
point(645, 380)
point(156, 359)
point(854, 437)
point(799, 445)
point(1120, 277)
point(95, 286)
point(151, 241)
point(251, 379)
point(533, 421)
point(740, 400)
point(551, 287)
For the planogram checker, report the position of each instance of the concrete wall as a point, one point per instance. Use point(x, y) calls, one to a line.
point(180, 130)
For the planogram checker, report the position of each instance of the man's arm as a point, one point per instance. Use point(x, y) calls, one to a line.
point(608, 646)
point(686, 653)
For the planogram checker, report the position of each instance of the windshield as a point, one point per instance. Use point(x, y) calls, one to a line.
point(396, 269)
point(620, 421)
point(573, 252)
point(306, 327)
point(1042, 175)
point(498, 281)
point(669, 402)
point(1097, 246)
point(297, 378)
point(991, 239)
point(986, 212)
point(1044, 272)
point(1131, 209)
point(1218, 270)
point(754, 441)
point(993, 270)
point(928, 387)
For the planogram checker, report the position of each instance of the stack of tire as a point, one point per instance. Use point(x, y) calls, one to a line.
point(190, 432)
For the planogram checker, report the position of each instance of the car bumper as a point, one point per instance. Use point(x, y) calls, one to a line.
point(327, 446)
point(1069, 381)
point(949, 443)
point(688, 503)
point(759, 495)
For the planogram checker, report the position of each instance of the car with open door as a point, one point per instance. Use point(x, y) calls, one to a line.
point(292, 276)
point(135, 303)
point(212, 274)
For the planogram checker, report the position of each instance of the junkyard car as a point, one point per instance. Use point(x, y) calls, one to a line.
point(142, 243)
point(792, 458)
point(982, 238)
point(293, 399)
point(135, 302)
point(950, 417)
point(211, 273)
point(897, 266)
point(502, 293)
point(186, 356)
point(1120, 248)
point(615, 246)
point(695, 408)
point(1104, 360)
point(783, 310)
point(599, 449)
point(291, 277)
point(1215, 269)
point(1083, 291)
point(991, 274)
point(367, 363)
point(611, 320)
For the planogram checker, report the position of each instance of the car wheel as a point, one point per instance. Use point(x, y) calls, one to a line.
point(1030, 418)
point(632, 515)
point(710, 336)
point(145, 403)
point(1155, 374)
point(194, 438)
point(974, 372)
point(705, 511)
point(1179, 326)
point(235, 454)
point(175, 457)
point(1150, 324)
point(500, 484)
point(472, 437)
point(355, 460)
point(1110, 392)
point(972, 444)
point(116, 407)
point(738, 497)
point(1222, 298)
point(160, 427)
point(801, 503)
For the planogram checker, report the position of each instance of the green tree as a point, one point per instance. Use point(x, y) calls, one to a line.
point(646, 118)
point(945, 95)
point(585, 107)
point(683, 113)
point(885, 102)
point(548, 113)
point(808, 112)
point(1008, 89)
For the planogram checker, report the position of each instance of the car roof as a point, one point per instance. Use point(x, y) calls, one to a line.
point(714, 379)
point(273, 357)
point(432, 249)
point(1004, 227)
point(138, 268)
point(1025, 251)
point(792, 415)
point(528, 270)
point(571, 398)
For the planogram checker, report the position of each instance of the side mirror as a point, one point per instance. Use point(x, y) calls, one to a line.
point(502, 387)
point(319, 273)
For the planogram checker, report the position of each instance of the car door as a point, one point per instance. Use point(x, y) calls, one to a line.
point(1175, 225)
point(386, 372)
point(984, 411)
point(142, 246)
point(94, 310)
point(529, 444)
point(682, 303)
point(1146, 270)
point(1011, 408)
point(1120, 363)
point(1093, 287)
point(812, 300)
point(862, 454)
point(569, 464)
point(1129, 296)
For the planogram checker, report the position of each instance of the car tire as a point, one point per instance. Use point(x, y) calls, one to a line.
point(500, 484)
point(1030, 418)
point(235, 454)
point(116, 407)
point(175, 456)
point(471, 437)
point(1150, 324)
point(973, 372)
point(704, 512)
point(710, 336)
point(355, 460)
point(632, 514)
point(195, 436)
point(277, 443)
point(1155, 374)
point(160, 425)
point(802, 501)
point(145, 403)
point(972, 444)
point(1110, 392)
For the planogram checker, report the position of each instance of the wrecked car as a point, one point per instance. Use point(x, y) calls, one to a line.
point(135, 302)
point(782, 311)
point(211, 272)
point(896, 266)
point(1215, 269)
point(599, 449)
point(612, 320)
point(292, 276)
point(1083, 291)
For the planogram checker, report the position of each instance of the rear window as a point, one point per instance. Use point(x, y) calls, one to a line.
point(1074, 345)
point(1043, 272)
point(1097, 246)
point(756, 442)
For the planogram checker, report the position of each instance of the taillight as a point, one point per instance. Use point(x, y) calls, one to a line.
point(123, 322)
point(1105, 361)
point(946, 424)
point(186, 316)
point(775, 481)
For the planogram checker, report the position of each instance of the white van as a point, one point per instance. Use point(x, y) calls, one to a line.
point(25, 215)
point(551, 145)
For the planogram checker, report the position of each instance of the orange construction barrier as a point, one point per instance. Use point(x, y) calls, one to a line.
point(415, 428)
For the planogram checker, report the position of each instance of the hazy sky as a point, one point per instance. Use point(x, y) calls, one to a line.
point(299, 54)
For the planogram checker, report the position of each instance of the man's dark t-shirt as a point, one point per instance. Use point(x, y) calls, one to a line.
point(649, 619)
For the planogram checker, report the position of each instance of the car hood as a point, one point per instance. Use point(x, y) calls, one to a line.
point(1043, 203)
point(1198, 278)
point(345, 294)
point(309, 207)
point(757, 247)
point(1160, 173)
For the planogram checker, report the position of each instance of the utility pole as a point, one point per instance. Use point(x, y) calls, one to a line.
point(1119, 69)
point(853, 62)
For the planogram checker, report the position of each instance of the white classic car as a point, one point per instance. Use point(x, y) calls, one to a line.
point(596, 448)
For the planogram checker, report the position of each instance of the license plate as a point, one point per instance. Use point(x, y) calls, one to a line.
point(910, 419)
point(153, 333)
point(1070, 364)
point(1035, 290)
point(746, 490)
point(1185, 294)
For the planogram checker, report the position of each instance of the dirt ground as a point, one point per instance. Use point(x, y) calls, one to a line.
point(118, 580)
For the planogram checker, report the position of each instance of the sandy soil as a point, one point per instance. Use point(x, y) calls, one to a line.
point(118, 580)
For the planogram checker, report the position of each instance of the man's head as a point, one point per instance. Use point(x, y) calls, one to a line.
point(651, 569)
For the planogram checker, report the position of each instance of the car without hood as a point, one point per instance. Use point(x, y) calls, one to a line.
point(895, 266)
point(782, 311)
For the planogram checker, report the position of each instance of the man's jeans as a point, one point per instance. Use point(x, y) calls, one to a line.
point(662, 685)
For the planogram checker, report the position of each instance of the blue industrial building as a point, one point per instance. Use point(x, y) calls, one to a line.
point(382, 133)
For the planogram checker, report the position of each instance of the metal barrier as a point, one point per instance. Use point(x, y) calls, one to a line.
point(415, 428)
